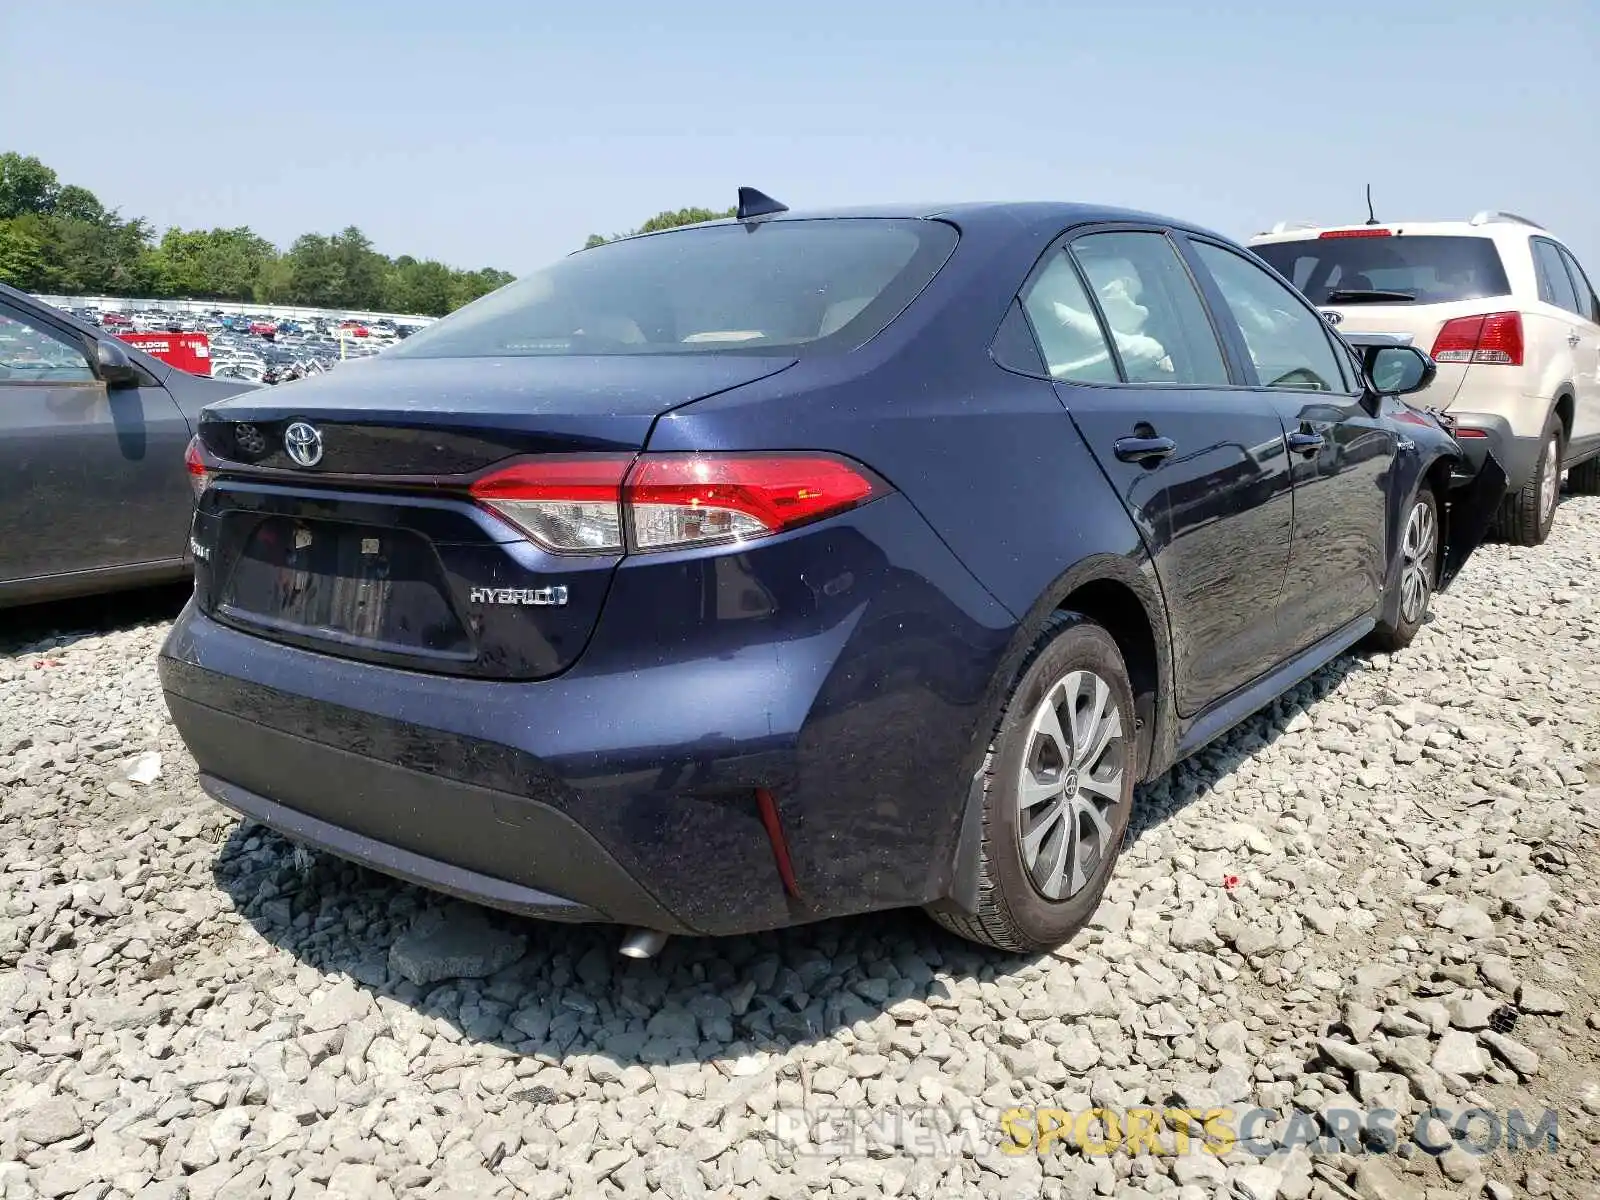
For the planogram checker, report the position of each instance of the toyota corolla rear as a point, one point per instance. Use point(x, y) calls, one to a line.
point(455, 619)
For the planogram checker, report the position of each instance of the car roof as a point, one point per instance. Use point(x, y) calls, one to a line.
point(974, 215)
point(1506, 228)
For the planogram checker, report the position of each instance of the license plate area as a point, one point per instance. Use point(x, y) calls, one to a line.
point(361, 586)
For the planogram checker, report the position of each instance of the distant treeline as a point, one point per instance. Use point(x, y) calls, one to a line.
point(59, 239)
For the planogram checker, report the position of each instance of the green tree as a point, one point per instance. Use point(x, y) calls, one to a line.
point(26, 186)
point(683, 216)
point(61, 238)
point(362, 267)
point(316, 276)
point(214, 264)
point(23, 252)
point(666, 219)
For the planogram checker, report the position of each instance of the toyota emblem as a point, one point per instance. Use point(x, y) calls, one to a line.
point(304, 444)
point(1331, 316)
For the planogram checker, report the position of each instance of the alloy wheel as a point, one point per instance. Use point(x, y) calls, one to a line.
point(1550, 481)
point(1071, 784)
point(1416, 565)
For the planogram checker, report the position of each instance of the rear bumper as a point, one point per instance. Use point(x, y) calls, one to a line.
point(624, 789)
point(1517, 456)
point(371, 850)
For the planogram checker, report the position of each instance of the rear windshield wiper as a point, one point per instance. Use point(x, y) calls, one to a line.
point(1368, 295)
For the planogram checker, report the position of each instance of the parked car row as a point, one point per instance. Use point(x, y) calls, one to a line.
point(261, 349)
point(1509, 316)
point(787, 566)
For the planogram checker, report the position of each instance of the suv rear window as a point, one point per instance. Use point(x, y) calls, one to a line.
point(725, 289)
point(1426, 269)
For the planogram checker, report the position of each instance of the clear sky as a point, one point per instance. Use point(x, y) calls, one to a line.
point(490, 133)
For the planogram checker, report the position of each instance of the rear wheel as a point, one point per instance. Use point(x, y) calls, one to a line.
point(1526, 515)
point(1057, 792)
point(1419, 571)
point(1584, 479)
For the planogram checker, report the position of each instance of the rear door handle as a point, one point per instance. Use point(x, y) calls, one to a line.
point(1305, 442)
point(1143, 449)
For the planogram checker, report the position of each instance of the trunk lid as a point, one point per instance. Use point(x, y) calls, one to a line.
point(418, 417)
point(375, 550)
point(1418, 325)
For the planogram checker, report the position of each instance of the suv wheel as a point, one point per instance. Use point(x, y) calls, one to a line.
point(1419, 571)
point(1584, 479)
point(1526, 515)
point(1057, 792)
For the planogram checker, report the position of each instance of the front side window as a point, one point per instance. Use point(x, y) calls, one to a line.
point(1555, 287)
point(793, 286)
point(29, 353)
point(1156, 317)
point(1287, 342)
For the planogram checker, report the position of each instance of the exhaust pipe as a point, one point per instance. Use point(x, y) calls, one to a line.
point(643, 943)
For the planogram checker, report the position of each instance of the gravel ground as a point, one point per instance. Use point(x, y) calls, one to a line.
point(1381, 893)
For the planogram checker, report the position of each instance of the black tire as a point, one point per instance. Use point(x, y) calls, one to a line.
point(1419, 568)
point(1584, 479)
point(1525, 516)
point(1013, 913)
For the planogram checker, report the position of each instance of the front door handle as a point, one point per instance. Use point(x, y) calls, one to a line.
point(1305, 442)
point(1144, 450)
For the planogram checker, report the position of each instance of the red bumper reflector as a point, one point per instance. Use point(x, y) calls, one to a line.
point(780, 845)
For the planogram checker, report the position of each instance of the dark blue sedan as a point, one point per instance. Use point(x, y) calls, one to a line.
point(798, 565)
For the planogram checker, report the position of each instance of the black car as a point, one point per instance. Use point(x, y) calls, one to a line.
point(786, 567)
point(94, 494)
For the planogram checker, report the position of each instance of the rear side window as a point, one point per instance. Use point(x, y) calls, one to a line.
point(788, 286)
point(1587, 302)
point(1555, 286)
point(1390, 270)
point(1069, 333)
point(1157, 321)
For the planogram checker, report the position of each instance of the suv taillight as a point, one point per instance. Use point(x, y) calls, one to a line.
point(1496, 339)
point(584, 505)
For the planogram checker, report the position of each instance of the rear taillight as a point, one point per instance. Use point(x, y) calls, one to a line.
point(596, 505)
point(571, 504)
point(690, 499)
point(1353, 233)
point(1493, 339)
point(194, 461)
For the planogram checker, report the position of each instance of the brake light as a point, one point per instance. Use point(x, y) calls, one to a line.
point(194, 461)
point(583, 504)
point(571, 504)
point(1495, 339)
point(689, 499)
point(1354, 233)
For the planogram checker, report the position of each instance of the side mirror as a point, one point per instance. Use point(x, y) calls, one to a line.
point(115, 368)
point(1397, 370)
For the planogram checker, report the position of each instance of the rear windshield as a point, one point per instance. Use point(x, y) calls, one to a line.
point(775, 285)
point(1428, 270)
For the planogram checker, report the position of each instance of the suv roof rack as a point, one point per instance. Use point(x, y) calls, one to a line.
point(1489, 215)
point(1291, 226)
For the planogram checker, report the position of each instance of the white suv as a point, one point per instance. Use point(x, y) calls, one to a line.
point(1506, 312)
